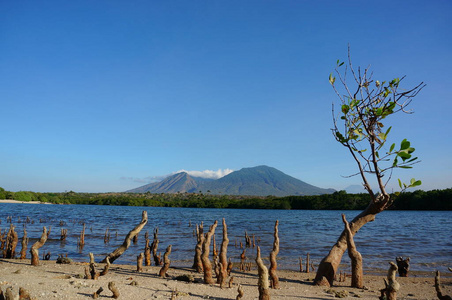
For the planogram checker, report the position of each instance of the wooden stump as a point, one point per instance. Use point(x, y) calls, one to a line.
point(35, 248)
point(274, 280)
point(223, 272)
point(264, 293)
point(391, 286)
point(166, 262)
point(206, 264)
point(403, 265)
point(439, 292)
point(197, 263)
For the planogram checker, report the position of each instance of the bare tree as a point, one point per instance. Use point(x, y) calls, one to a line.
point(360, 129)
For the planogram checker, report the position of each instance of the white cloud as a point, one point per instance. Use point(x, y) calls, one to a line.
point(210, 174)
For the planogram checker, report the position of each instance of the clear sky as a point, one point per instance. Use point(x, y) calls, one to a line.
point(100, 96)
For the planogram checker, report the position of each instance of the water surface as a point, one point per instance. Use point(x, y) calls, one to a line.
point(425, 236)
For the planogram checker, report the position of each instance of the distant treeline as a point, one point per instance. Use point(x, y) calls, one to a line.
point(417, 200)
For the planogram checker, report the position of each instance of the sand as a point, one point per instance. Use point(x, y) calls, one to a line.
point(50, 280)
point(22, 202)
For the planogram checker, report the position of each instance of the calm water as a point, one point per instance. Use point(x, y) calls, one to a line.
point(424, 236)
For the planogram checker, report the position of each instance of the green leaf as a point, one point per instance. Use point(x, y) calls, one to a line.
point(405, 167)
point(400, 183)
point(341, 64)
point(416, 183)
point(345, 108)
point(404, 144)
point(392, 147)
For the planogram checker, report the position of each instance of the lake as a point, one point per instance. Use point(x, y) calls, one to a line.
point(424, 236)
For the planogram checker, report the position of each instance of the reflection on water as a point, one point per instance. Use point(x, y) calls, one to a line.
point(424, 236)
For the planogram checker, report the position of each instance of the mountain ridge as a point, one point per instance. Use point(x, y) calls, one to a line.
point(253, 181)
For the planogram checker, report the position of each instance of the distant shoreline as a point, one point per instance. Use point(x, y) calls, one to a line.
point(22, 202)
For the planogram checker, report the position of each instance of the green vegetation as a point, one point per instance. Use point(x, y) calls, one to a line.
point(418, 200)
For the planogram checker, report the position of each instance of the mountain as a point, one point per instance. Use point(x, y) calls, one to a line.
point(256, 181)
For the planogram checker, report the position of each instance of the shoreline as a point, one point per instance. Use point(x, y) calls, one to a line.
point(65, 281)
point(22, 202)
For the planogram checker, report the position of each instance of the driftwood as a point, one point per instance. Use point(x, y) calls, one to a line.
point(240, 292)
point(197, 263)
point(439, 292)
point(166, 262)
point(403, 265)
point(355, 257)
point(391, 286)
point(112, 287)
point(206, 264)
point(307, 262)
point(264, 293)
point(223, 272)
point(23, 251)
point(125, 245)
point(35, 248)
point(274, 280)
point(300, 260)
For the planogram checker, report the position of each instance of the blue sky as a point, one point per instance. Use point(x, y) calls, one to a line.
point(101, 96)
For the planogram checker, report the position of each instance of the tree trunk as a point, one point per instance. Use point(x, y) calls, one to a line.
point(328, 266)
point(35, 248)
point(264, 293)
point(355, 257)
point(121, 249)
point(206, 264)
point(273, 264)
point(166, 262)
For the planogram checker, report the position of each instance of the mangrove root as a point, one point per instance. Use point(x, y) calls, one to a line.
point(140, 258)
point(121, 249)
point(274, 280)
point(403, 265)
point(264, 293)
point(166, 262)
point(112, 287)
point(240, 292)
point(392, 286)
point(197, 263)
point(206, 264)
point(35, 248)
point(439, 292)
point(355, 257)
point(97, 293)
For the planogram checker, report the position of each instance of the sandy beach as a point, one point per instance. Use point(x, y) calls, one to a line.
point(63, 281)
point(22, 202)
